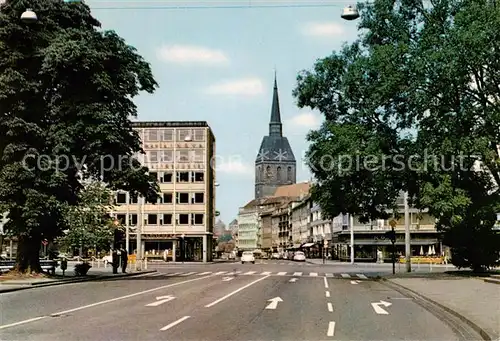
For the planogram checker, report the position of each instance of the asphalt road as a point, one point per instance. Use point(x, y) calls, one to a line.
point(222, 302)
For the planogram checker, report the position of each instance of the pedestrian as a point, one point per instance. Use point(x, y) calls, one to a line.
point(115, 262)
point(124, 259)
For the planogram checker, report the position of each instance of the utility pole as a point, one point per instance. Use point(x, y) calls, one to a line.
point(138, 258)
point(407, 233)
point(351, 222)
point(391, 235)
point(127, 226)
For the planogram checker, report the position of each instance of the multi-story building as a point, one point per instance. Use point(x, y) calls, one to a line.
point(248, 226)
point(180, 154)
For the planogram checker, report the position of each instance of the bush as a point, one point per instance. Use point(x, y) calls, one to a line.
point(81, 269)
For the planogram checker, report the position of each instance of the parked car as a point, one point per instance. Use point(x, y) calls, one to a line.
point(275, 255)
point(247, 257)
point(299, 256)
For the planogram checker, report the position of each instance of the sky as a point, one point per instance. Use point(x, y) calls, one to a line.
point(217, 65)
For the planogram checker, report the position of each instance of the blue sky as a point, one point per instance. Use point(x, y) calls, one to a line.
point(217, 65)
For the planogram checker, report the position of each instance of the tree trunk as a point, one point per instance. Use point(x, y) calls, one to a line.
point(28, 255)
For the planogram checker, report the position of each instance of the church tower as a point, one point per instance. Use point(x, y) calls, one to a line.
point(275, 164)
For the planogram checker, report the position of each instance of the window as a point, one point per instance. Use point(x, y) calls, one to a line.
point(183, 219)
point(197, 219)
point(182, 133)
point(198, 155)
point(154, 175)
point(268, 172)
point(166, 178)
point(152, 219)
point(121, 218)
point(199, 134)
point(133, 219)
point(152, 156)
point(168, 135)
point(152, 135)
point(199, 176)
point(133, 199)
point(121, 198)
point(198, 198)
point(167, 219)
point(183, 156)
point(167, 198)
point(182, 198)
point(182, 176)
point(289, 174)
point(278, 173)
point(167, 156)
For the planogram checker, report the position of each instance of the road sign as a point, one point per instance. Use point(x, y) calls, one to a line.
point(160, 300)
point(274, 303)
point(378, 309)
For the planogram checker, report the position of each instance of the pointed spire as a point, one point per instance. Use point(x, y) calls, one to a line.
point(275, 126)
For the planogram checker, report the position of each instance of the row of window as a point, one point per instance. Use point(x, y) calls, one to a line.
point(167, 156)
point(268, 173)
point(164, 219)
point(155, 135)
point(167, 198)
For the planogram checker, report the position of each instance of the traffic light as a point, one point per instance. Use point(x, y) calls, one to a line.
point(391, 235)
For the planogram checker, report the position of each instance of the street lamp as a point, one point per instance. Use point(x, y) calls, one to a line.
point(350, 13)
point(216, 184)
point(29, 16)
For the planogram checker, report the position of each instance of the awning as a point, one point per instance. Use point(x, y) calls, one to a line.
point(307, 244)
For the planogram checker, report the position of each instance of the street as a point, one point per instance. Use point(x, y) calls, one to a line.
point(227, 301)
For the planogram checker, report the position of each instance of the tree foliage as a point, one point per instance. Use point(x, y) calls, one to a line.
point(90, 225)
point(414, 105)
point(66, 90)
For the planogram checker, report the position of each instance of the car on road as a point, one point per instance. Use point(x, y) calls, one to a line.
point(247, 257)
point(299, 256)
point(275, 255)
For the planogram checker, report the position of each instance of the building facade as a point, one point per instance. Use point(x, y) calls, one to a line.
point(180, 154)
point(275, 164)
point(248, 227)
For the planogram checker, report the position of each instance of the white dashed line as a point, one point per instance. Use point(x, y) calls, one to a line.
point(313, 274)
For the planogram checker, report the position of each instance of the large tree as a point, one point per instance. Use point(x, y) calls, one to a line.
point(413, 105)
point(66, 90)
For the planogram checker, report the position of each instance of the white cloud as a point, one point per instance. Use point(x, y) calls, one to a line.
point(245, 86)
point(234, 167)
point(186, 54)
point(323, 29)
point(304, 121)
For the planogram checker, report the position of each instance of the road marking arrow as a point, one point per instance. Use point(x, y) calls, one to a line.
point(274, 302)
point(227, 279)
point(160, 300)
point(355, 282)
point(378, 309)
point(293, 280)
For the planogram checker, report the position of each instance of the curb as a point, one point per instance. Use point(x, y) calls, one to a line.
point(484, 335)
point(71, 281)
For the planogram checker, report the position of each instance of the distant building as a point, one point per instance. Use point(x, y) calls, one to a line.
point(275, 164)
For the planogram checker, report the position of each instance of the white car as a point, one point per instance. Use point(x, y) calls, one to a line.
point(299, 256)
point(247, 257)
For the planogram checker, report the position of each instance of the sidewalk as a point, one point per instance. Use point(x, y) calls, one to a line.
point(9, 284)
point(471, 298)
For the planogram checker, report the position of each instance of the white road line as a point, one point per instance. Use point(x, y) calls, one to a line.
point(249, 273)
point(330, 307)
point(331, 329)
point(168, 326)
point(204, 273)
point(220, 273)
point(157, 274)
point(327, 293)
point(22, 322)
point(144, 275)
point(104, 302)
point(326, 283)
point(297, 273)
point(173, 274)
point(188, 274)
point(313, 274)
point(266, 273)
point(362, 276)
point(345, 275)
point(329, 275)
point(281, 273)
point(234, 292)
